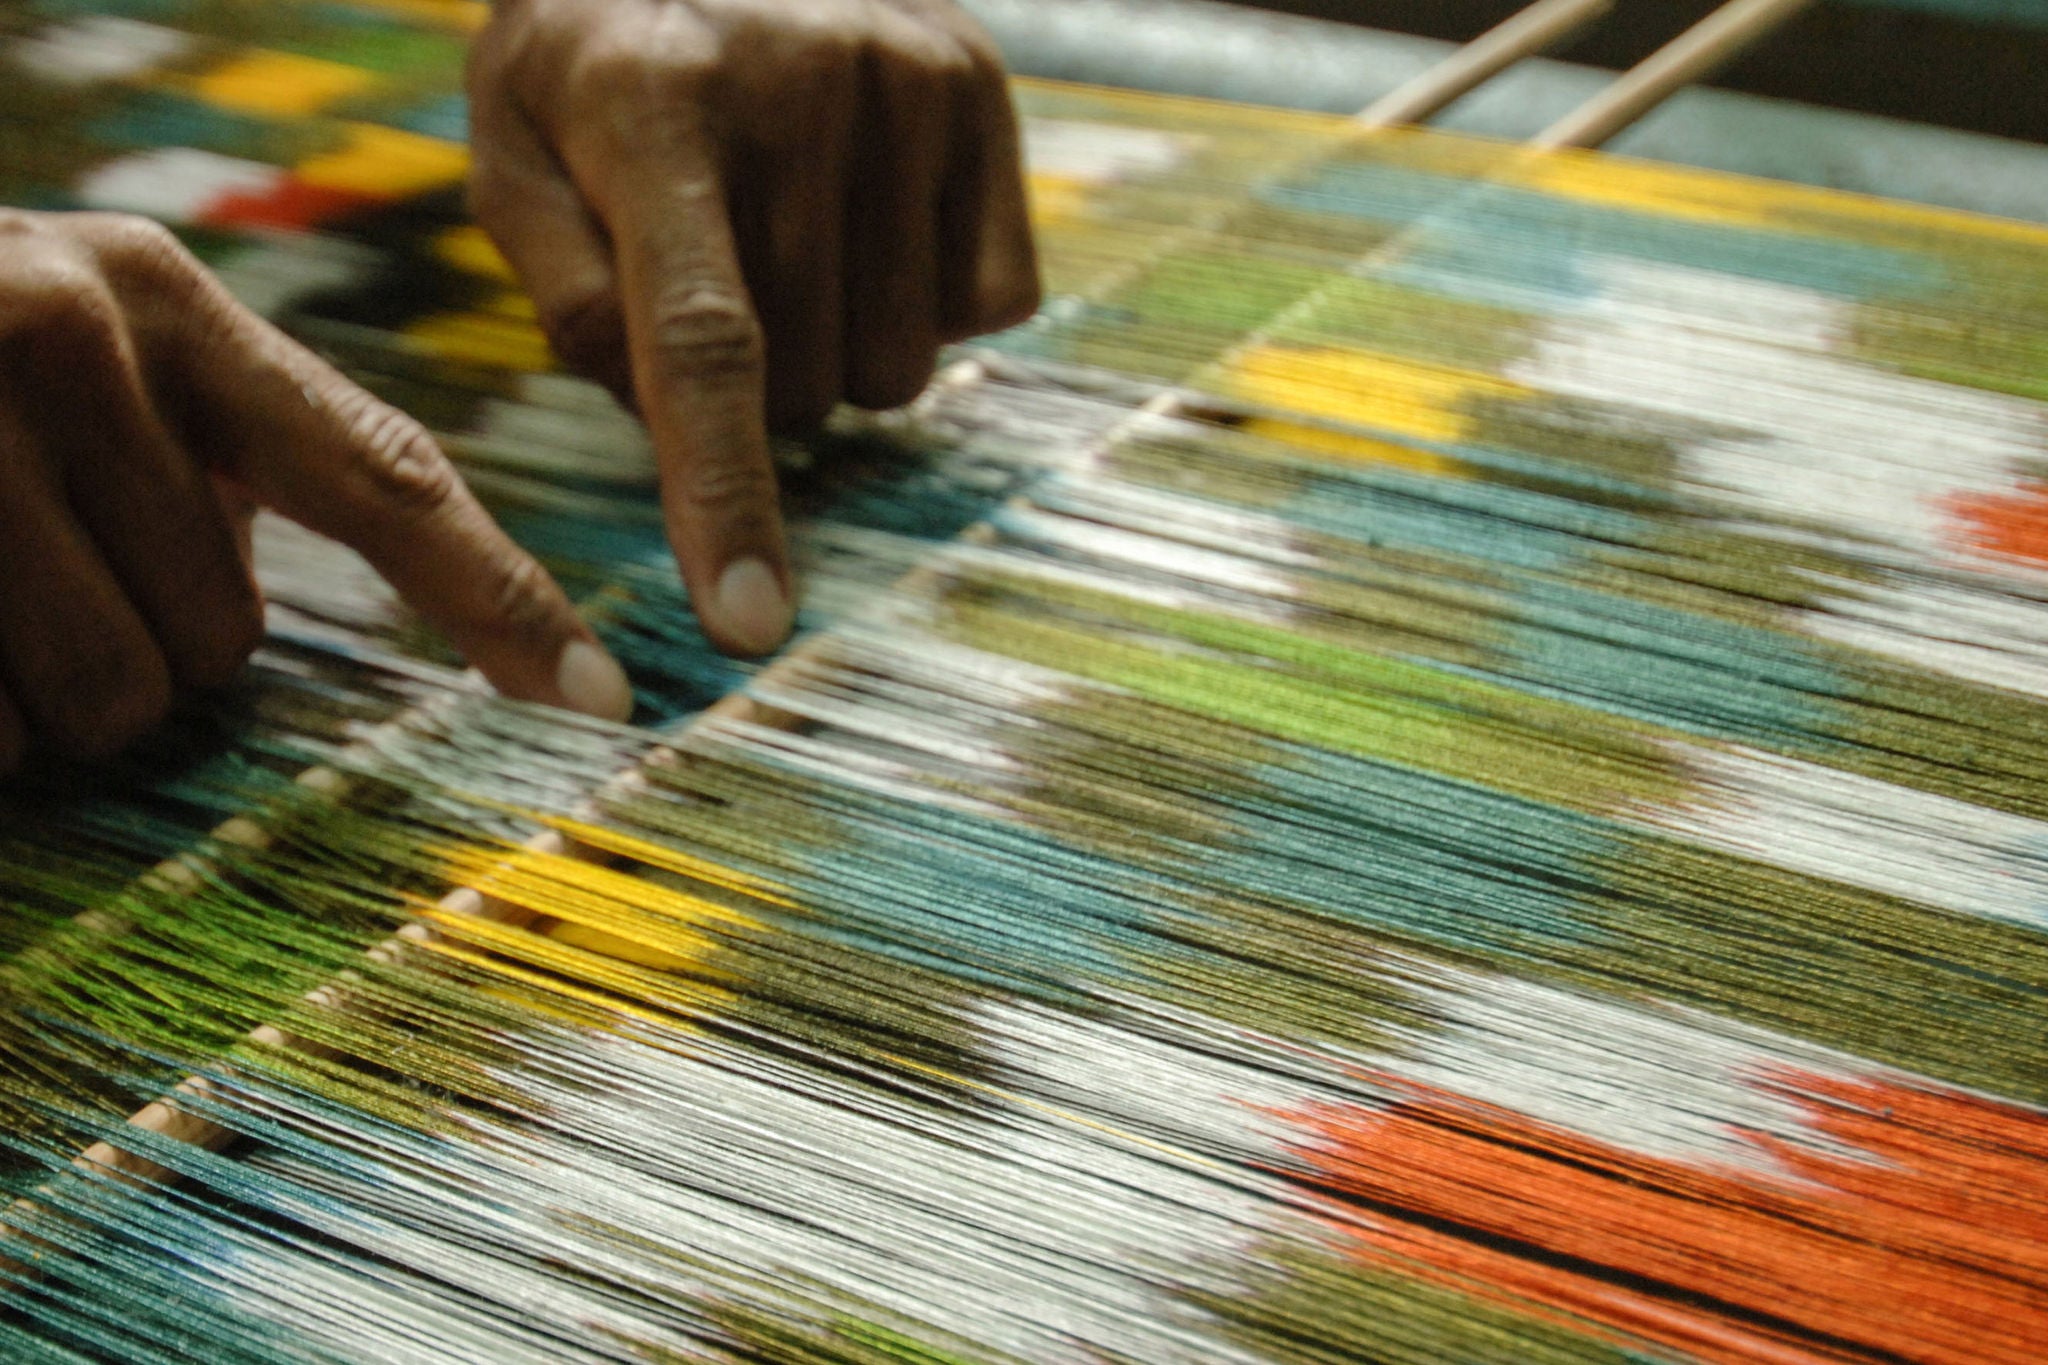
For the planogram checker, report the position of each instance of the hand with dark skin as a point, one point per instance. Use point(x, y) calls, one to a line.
point(144, 414)
point(733, 213)
point(739, 213)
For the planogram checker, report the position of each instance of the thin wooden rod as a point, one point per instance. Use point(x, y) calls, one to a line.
point(1522, 35)
point(1691, 56)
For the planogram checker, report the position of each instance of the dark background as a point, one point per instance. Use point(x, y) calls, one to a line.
point(1985, 78)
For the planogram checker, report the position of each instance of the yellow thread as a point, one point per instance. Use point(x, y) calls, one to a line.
point(1345, 445)
point(279, 84)
point(547, 895)
point(558, 884)
point(1057, 199)
point(629, 985)
point(1165, 111)
point(388, 162)
point(623, 845)
point(624, 949)
point(463, 16)
point(1646, 188)
point(470, 249)
point(1386, 393)
point(665, 926)
point(1680, 191)
point(1594, 176)
point(483, 339)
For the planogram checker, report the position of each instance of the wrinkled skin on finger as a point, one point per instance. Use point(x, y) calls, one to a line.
point(144, 415)
point(737, 214)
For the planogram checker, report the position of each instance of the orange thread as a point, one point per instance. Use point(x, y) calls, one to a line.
point(291, 205)
point(2013, 524)
point(1930, 1245)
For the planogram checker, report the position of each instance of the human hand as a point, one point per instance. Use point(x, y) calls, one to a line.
point(736, 214)
point(143, 415)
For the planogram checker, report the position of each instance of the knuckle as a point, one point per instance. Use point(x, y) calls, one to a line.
point(605, 69)
point(55, 298)
point(799, 42)
point(822, 52)
point(522, 596)
point(708, 336)
point(922, 60)
point(893, 385)
point(916, 89)
point(731, 493)
point(134, 244)
point(399, 463)
point(1017, 300)
point(674, 62)
point(985, 66)
point(25, 229)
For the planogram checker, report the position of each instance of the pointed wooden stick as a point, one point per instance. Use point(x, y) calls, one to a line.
point(1692, 55)
point(1525, 34)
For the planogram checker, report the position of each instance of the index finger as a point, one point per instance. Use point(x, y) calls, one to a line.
point(332, 457)
point(700, 371)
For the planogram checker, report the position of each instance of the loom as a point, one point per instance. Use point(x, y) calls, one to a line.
point(1441, 761)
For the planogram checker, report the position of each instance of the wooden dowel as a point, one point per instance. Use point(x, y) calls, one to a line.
point(1524, 35)
point(1692, 55)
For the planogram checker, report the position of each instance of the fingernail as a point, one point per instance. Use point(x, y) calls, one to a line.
point(752, 608)
point(592, 682)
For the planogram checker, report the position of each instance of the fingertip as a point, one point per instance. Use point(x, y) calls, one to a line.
point(1013, 298)
point(592, 682)
point(750, 612)
point(998, 284)
point(1008, 288)
point(896, 382)
point(996, 307)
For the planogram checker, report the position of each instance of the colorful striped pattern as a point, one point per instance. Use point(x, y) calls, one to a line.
point(1443, 760)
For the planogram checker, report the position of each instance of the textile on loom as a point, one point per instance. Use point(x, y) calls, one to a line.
point(1503, 823)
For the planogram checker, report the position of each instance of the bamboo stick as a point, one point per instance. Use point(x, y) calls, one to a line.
point(1524, 34)
point(1691, 56)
